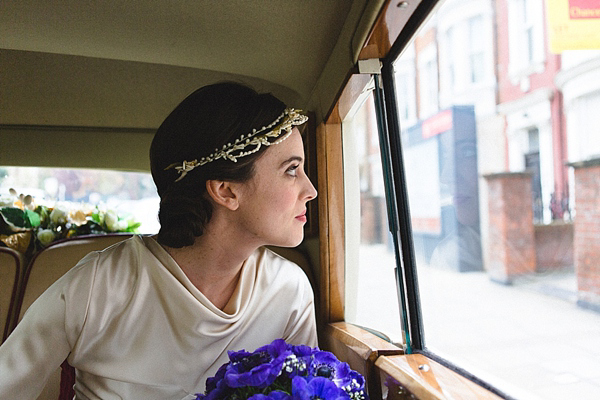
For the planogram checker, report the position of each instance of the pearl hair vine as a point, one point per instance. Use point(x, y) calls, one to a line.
point(280, 129)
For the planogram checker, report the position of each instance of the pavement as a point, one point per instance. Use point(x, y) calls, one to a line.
point(528, 339)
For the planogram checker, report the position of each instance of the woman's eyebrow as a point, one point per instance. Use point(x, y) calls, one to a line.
point(291, 159)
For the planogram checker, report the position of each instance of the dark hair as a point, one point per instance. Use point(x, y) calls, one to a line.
point(207, 119)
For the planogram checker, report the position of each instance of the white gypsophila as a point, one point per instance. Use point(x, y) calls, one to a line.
point(293, 363)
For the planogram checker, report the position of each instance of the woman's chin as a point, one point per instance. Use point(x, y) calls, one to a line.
point(291, 241)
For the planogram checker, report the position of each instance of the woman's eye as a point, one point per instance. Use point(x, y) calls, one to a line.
point(292, 170)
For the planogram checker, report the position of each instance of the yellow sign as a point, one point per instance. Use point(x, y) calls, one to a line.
point(573, 24)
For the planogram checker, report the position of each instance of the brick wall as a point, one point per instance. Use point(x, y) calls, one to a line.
point(587, 232)
point(554, 246)
point(374, 223)
point(511, 245)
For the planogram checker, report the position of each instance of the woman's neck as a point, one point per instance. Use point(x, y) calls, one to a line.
point(213, 264)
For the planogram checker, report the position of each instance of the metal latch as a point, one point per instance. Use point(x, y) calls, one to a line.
point(370, 66)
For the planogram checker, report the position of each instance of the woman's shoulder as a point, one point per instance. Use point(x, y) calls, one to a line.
point(95, 257)
point(116, 263)
point(110, 276)
point(96, 273)
point(128, 248)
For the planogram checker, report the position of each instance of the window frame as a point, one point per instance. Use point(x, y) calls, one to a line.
point(398, 210)
point(406, 262)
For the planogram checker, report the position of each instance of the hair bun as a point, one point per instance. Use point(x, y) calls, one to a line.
point(182, 219)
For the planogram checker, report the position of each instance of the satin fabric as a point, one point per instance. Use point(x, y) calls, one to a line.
point(135, 327)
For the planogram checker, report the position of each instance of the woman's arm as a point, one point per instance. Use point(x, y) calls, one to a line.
point(44, 338)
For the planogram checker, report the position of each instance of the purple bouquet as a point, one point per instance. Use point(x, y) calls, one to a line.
point(281, 371)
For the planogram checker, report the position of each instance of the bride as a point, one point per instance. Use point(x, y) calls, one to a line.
point(154, 317)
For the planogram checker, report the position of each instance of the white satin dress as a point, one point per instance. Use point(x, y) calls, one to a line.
point(134, 326)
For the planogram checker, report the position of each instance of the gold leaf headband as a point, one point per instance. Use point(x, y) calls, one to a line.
point(280, 129)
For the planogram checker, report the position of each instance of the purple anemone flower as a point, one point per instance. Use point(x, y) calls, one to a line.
point(274, 395)
point(211, 383)
point(316, 388)
point(301, 350)
point(258, 369)
point(326, 365)
point(356, 381)
point(260, 376)
point(279, 371)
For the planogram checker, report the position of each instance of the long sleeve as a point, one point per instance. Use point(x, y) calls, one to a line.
point(45, 336)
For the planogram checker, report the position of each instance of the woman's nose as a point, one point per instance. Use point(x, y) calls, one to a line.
point(310, 191)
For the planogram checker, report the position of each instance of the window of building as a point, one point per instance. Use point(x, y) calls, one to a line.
point(450, 50)
point(428, 81)
point(528, 31)
point(476, 49)
point(406, 88)
point(526, 36)
point(586, 144)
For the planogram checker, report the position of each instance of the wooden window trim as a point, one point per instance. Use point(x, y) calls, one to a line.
point(427, 379)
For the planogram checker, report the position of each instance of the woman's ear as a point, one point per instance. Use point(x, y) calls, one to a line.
point(222, 192)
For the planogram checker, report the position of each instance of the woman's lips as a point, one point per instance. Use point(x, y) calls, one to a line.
point(302, 217)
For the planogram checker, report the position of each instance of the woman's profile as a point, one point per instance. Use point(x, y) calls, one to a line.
point(154, 317)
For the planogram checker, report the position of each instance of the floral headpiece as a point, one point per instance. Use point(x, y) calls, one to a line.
point(280, 129)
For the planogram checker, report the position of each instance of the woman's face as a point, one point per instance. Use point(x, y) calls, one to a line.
point(272, 205)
